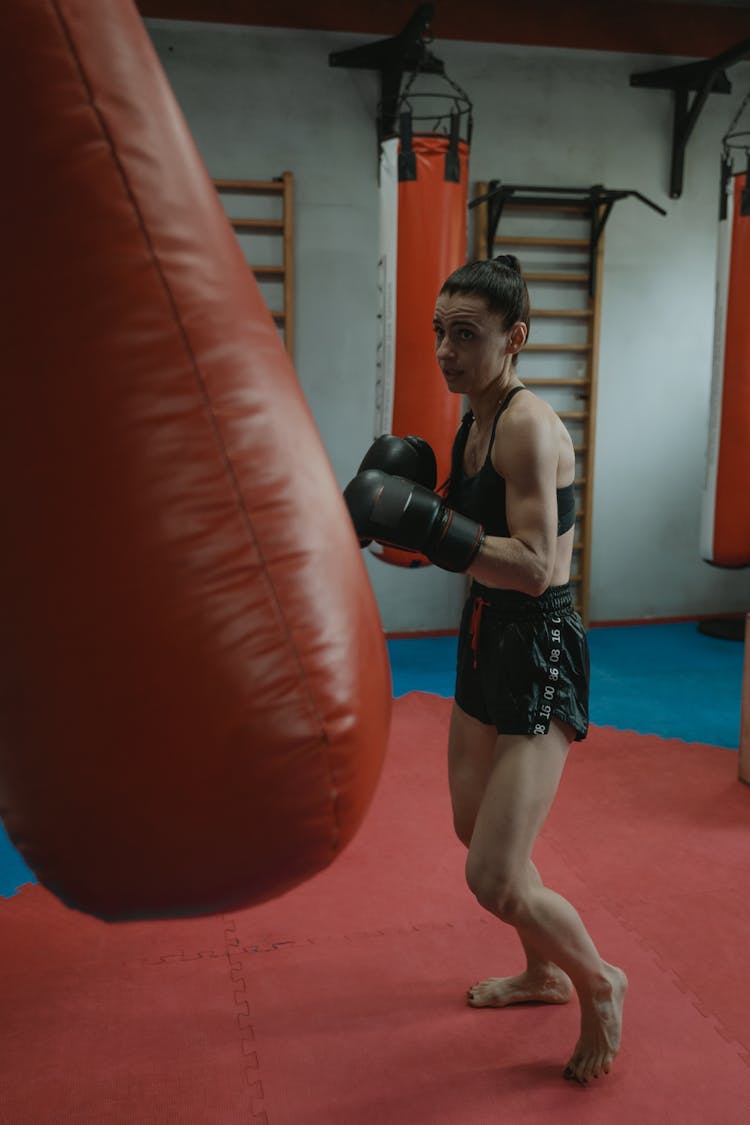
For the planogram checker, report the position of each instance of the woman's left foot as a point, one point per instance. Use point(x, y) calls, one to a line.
point(549, 986)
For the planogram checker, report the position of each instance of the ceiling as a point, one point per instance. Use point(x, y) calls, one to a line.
point(696, 28)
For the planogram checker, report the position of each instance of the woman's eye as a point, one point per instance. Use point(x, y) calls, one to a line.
point(466, 334)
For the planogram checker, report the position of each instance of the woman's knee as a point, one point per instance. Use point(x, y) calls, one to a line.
point(502, 893)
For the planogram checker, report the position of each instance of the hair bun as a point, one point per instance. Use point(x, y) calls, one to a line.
point(510, 261)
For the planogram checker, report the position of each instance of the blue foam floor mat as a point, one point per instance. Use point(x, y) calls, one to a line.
point(669, 680)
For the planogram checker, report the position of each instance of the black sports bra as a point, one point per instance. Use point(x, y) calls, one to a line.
point(482, 496)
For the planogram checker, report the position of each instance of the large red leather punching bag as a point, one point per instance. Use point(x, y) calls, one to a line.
point(194, 688)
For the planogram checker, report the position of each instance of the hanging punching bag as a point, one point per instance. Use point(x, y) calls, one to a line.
point(194, 687)
point(424, 189)
point(725, 516)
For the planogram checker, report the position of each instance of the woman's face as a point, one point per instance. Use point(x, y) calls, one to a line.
point(471, 346)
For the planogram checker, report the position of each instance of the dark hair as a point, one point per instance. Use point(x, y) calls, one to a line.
point(499, 282)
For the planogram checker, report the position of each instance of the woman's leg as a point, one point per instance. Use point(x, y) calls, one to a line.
point(523, 781)
point(471, 754)
point(472, 747)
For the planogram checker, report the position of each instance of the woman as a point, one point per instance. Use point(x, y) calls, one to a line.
point(507, 519)
point(522, 677)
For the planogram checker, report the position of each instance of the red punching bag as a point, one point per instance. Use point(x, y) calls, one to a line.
point(424, 188)
point(194, 688)
point(725, 515)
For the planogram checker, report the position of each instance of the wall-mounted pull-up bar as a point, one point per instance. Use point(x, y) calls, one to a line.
point(597, 201)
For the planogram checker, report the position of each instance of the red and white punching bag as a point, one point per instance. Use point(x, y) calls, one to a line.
point(423, 209)
point(725, 516)
point(194, 685)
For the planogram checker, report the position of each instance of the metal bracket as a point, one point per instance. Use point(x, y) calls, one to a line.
point(703, 78)
point(406, 51)
point(597, 200)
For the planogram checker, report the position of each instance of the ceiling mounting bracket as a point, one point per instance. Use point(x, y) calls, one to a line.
point(406, 51)
point(700, 78)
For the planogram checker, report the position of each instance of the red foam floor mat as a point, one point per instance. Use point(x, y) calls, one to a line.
point(342, 1003)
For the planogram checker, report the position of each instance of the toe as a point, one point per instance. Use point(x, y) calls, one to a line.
point(574, 1071)
point(570, 1069)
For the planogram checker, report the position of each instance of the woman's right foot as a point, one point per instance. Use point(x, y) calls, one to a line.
point(601, 1028)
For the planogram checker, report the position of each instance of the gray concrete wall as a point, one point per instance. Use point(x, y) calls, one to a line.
point(261, 101)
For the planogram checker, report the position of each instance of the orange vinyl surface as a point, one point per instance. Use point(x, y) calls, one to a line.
point(432, 240)
point(732, 514)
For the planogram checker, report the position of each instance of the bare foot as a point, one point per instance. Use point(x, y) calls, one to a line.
point(547, 985)
point(601, 1028)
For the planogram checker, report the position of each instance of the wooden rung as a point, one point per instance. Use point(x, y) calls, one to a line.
point(562, 313)
point(282, 189)
point(268, 271)
point(557, 348)
point(581, 482)
point(552, 382)
point(270, 226)
point(252, 187)
point(573, 415)
point(563, 243)
point(579, 450)
point(562, 278)
point(575, 579)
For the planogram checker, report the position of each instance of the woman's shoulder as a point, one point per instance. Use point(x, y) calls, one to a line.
point(532, 427)
point(528, 411)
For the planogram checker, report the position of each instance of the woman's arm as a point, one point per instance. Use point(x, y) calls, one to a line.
point(527, 458)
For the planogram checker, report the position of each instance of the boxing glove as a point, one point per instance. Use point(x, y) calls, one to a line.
point(409, 457)
point(400, 513)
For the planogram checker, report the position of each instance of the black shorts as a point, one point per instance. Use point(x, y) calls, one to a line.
point(523, 661)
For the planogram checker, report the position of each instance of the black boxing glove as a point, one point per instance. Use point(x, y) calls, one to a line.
point(409, 457)
point(399, 513)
